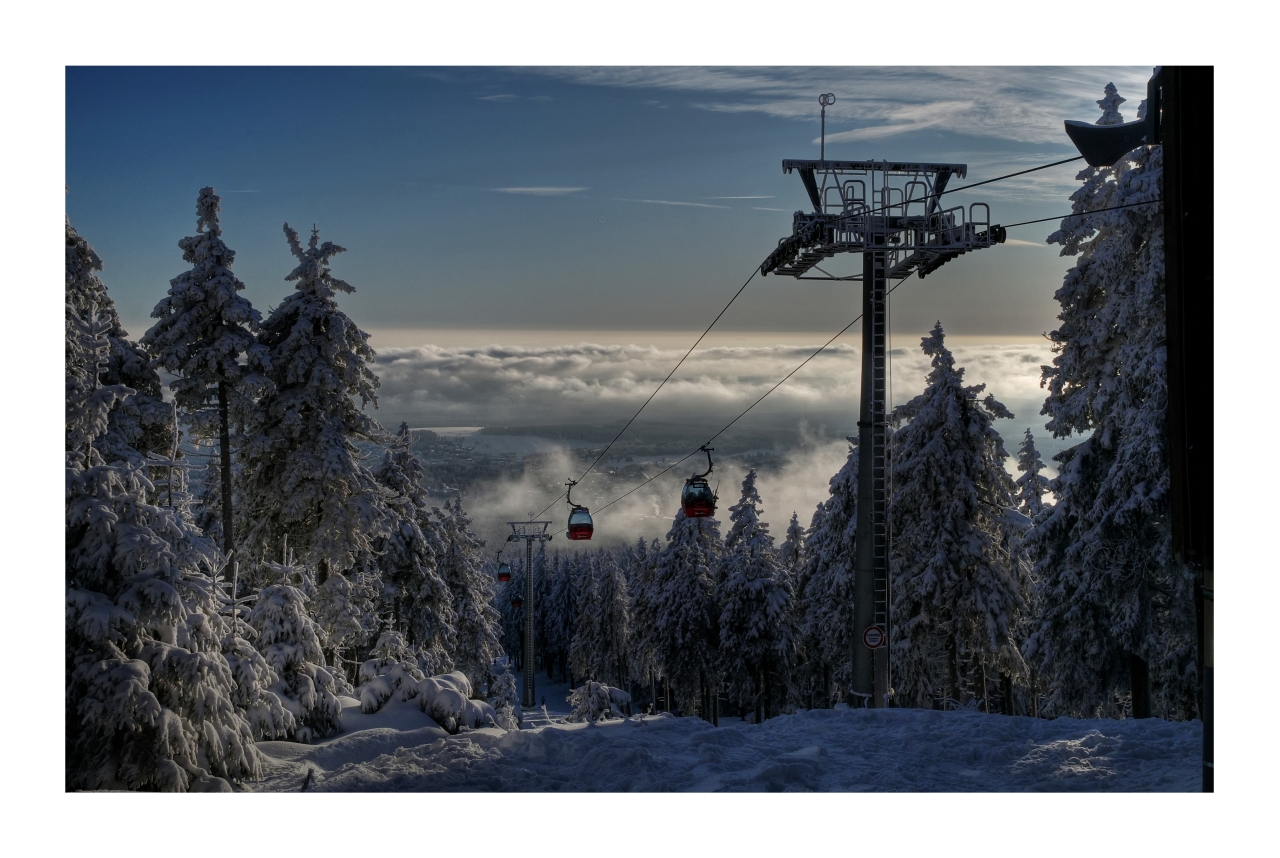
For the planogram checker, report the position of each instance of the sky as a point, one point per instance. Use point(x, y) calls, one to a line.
point(561, 198)
point(541, 244)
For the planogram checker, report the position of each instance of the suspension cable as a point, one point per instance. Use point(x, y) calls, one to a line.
point(740, 416)
point(754, 271)
point(1082, 214)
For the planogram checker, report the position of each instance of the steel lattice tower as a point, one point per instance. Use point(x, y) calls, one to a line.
point(890, 213)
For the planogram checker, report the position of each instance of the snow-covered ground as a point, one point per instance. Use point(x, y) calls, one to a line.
point(401, 750)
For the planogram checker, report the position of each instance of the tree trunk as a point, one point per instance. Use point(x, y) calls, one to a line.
point(955, 672)
point(1140, 686)
point(986, 697)
point(1006, 690)
point(224, 442)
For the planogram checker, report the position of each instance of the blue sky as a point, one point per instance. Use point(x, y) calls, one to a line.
point(660, 187)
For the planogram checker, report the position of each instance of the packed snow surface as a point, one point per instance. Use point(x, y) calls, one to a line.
point(825, 750)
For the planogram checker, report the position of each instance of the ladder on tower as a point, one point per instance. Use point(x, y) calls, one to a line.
point(879, 512)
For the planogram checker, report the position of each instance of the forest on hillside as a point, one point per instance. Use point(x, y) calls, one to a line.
point(246, 544)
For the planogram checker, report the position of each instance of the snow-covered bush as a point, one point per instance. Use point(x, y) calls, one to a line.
point(596, 701)
point(389, 672)
point(445, 699)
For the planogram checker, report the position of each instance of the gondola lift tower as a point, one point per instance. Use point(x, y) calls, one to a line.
point(890, 212)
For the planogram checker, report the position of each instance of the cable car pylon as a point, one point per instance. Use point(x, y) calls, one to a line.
point(697, 499)
point(890, 212)
point(580, 524)
point(529, 531)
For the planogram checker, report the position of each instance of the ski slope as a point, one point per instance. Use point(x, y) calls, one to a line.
point(400, 750)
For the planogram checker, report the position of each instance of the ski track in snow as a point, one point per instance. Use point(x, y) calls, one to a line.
point(891, 750)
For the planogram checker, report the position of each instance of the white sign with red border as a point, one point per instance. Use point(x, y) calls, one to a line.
point(873, 637)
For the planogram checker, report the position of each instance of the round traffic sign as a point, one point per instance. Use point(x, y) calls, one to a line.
point(873, 637)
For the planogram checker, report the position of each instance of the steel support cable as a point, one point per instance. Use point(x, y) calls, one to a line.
point(1082, 214)
point(754, 272)
point(740, 416)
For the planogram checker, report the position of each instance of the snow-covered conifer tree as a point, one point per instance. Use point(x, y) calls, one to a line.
point(512, 615)
point(303, 476)
point(420, 601)
point(584, 658)
point(149, 696)
point(205, 335)
point(477, 624)
point(600, 643)
point(1031, 486)
point(290, 642)
point(640, 655)
point(141, 422)
point(957, 592)
point(685, 611)
point(757, 635)
point(561, 610)
point(825, 585)
point(503, 695)
point(1115, 605)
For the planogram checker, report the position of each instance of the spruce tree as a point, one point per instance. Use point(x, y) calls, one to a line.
point(561, 610)
point(584, 653)
point(420, 602)
point(141, 422)
point(685, 610)
point(304, 477)
point(478, 625)
point(149, 696)
point(825, 585)
point(290, 642)
point(1118, 627)
point(205, 335)
point(1031, 486)
point(957, 591)
point(757, 637)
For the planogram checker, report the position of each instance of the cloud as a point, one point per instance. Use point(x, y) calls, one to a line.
point(1017, 242)
point(541, 191)
point(766, 209)
point(594, 383)
point(587, 382)
point(913, 117)
point(672, 203)
point(1024, 105)
point(768, 197)
point(502, 97)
